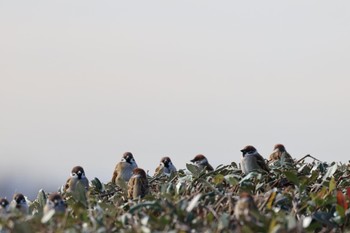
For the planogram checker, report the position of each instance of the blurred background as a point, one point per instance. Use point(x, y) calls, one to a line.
point(84, 81)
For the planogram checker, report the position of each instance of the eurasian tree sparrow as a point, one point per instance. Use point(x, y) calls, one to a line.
point(165, 167)
point(279, 153)
point(77, 176)
point(244, 208)
point(202, 162)
point(19, 203)
point(252, 160)
point(124, 169)
point(4, 206)
point(138, 184)
point(55, 201)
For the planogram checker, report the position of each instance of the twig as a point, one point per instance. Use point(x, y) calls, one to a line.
point(342, 177)
point(107, 194)
point(308, 156)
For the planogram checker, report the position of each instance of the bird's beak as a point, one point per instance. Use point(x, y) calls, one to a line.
point(242, 150)
point(192, 160)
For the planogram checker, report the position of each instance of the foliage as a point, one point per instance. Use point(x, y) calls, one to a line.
point(305, 197)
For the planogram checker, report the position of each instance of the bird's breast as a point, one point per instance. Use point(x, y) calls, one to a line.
point(249, 164)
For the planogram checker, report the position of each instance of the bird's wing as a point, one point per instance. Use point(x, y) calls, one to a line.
point(142, 187)
point(85, 182)
point(131, 185)
point(158, 171)
point(145, 187)
point(276, 155)
point(287, 157)
point(67, 185)
point(209, 167)
point(261, 162)
point(115, 173)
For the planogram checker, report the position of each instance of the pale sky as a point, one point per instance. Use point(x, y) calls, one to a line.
point(84, 81)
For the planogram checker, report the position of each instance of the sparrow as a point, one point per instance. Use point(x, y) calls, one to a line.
point(252, 160)
point(77, 176)
point(19, 203)
point(138, 184)
point(245, 208)
point(124, 169)
point(55, 202)
point(280, 153)
point(4, 206)
point(202, 162)
point(165, 167)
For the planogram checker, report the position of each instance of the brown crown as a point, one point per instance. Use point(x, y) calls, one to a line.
point(280, 147)
point(245, 195)
point(164, 159)
point(198, 158)
point(55, 197)
point(248, 148)
point(78, 169)
point(139, 171)
point(18, 197)
point(4, 202)
point(128, 155)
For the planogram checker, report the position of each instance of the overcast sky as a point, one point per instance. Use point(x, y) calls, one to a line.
point(84, 81)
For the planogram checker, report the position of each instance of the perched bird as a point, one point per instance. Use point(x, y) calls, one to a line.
point(77, 176)
point(124, 169)
point(19, 203)
point(245, 208)
point(165, 167)
point(202, 162)
point(252, 160)
point(4, 206)
point(138, 184)
point(280, 154)
point(55, 202)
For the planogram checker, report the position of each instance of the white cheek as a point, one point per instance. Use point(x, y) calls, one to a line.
point(50, 203)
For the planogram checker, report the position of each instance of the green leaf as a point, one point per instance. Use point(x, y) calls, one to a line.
point(292, 177)
point(41, 198)
point(218, 179)
point(193, 169)
point(330, 172)
point(48, 216)
point(96, 184)
point(193, 203)
point(148, 204)
point(340, 210)
point(231, 180)
point(332, 184)
point(223, 221)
